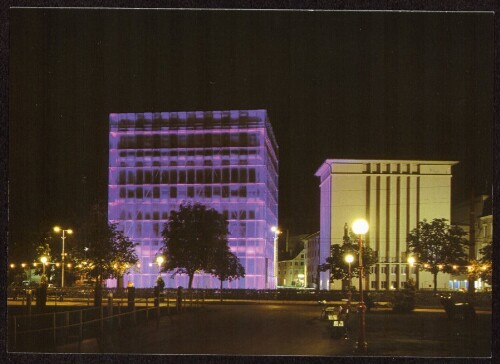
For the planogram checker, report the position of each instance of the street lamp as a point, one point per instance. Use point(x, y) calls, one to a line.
point(159, 261)
point(349, 258)
point(411, 262)
point(69, 231)
point(44, 261)
point(276, 232)
point(360, 227)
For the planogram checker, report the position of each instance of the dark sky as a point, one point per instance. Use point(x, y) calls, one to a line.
point(335, 84)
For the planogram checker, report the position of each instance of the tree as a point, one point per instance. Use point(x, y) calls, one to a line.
point(336, 264)
point(109, 254)
point(437, 246)
point(485, 270)
point(192, 238)
point(227, 267)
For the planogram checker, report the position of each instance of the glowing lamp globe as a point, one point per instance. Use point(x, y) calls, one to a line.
point(349, 258)
point(360, 227)
point(411, 260)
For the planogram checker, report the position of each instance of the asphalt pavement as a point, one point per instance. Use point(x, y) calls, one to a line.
point(276, 329)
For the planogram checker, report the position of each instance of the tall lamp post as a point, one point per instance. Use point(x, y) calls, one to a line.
point(349, 258)
point(57, 229)
point(159, 261)
point(276, 232)
point(411, 261)
point(360, 227)
point(44, 261)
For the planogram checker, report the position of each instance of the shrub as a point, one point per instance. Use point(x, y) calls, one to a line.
point(160, 283)
point(404, 300)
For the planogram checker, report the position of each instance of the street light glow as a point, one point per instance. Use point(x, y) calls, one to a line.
point(12, 265)
point(411, 260)
point(360, 226)
point(63, 237)
point(275, 230)
point(160, 260)
point(349, 258)
point(43, 260)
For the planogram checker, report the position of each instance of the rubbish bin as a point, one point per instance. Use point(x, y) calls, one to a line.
point(338, 321)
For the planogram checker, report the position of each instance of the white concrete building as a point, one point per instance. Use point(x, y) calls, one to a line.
point(291, 272)
point(483, 231)
point(393, 196)
point(312, 259)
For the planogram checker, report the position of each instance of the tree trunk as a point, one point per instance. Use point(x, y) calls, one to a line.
point(435, 281)
point(221, 290)
point(191, 276)
point(119, 282)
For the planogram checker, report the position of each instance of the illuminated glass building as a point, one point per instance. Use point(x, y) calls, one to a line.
point(227, 160)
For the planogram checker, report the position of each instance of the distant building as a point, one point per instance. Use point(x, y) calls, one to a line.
point(291, 272)
point(226, 160)
point(483, 231)
point(312, 259)
point(393, 196)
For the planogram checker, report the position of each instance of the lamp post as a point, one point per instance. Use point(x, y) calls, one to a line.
point(276, 232)
point(159, 261)
point(360, 227)
point(349, 258)
point(44, 261)
point(69, 231)
point(411, 261)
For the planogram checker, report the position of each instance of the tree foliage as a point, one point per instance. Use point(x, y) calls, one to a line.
point(227, 267)
point(484, 266)
point(195, 240)
point(108, 252)
point(339, 268)
point(437, 246)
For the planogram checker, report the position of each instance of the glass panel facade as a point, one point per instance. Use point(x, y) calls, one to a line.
point(227, 160)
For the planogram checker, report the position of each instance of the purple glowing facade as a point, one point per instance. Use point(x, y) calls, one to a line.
point(226, 160)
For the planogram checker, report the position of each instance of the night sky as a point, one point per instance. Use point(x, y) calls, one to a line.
point(335, 84)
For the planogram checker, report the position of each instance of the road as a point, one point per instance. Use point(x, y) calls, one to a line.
point(244, 329)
